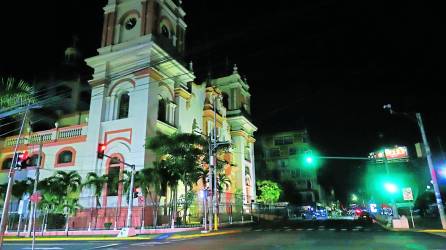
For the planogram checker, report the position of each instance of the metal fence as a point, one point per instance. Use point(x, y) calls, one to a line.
point(112, 213)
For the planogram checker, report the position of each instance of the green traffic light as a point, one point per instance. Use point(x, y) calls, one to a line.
point(390, 187)
point(309, 159)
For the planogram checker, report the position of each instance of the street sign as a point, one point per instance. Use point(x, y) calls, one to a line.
point(407, 194)
point(36, 197)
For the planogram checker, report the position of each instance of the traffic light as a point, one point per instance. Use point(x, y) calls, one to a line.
point(23, 160)
point(390, 187)
point(308, 158)
point(101, 150)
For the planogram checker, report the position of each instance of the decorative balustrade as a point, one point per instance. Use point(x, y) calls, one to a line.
point(47, 135)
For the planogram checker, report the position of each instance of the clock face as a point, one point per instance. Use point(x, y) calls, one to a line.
point(130, 23)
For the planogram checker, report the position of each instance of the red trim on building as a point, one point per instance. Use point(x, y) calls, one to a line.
point(121, 81)
point(129, 140)
point(67, 164)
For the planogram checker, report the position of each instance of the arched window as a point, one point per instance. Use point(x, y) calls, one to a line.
point(226, 100)
point(65, 157)
point(124, 101)
point(162, 110)
point(7, 163)
point(113, 177)
point(165, 31)
point(34, 159)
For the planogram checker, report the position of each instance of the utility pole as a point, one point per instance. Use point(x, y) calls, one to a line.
point(432, 171)
point(130, 206)
point(433, 174)
point(5, 211)
point(36, 181)
point(214, 194)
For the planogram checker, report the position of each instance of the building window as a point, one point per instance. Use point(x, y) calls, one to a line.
point(274, 152)
point(113, 181)
point(162, 110)
point(124, 101)
point(65, 157)
point(7, 163)
point(291, 151)
point(285, 140)
point(165, 31)
point(34, 159)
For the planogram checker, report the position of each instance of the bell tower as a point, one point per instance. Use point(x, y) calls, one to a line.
point(236, 98)
point(136, 76)
point(127, 21)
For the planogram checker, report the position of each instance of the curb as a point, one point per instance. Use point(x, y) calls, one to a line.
point(123, 239)
point(204, 235)
point(78, 239)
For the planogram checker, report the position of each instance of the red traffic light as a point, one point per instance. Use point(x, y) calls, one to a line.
point(101, 150)
point(22, 159)
point(23, 156)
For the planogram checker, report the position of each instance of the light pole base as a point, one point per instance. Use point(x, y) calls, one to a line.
point(126, 232)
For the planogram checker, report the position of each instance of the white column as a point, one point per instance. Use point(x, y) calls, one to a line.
point(171, 113)
point(253, 171)
point(107, 110)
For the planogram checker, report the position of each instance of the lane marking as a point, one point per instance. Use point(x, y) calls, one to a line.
point(332, 229)
point(343, 229)
point(288, 230)
point(44, 248)
point(109, 245)
point(355, 229)
point(310, 229)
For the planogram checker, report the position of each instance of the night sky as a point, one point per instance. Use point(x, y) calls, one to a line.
point(328, 66)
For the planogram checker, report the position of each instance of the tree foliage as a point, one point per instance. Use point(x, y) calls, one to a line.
point(269, 191)
point(15, 93)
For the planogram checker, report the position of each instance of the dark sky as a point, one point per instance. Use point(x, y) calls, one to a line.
point(328, 66)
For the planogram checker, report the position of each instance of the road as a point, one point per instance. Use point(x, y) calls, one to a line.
point(332, 235)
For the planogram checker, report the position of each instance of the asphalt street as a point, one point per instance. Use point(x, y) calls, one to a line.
point(280, 235)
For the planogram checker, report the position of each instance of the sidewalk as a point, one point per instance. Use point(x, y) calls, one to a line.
point(177, 233)
point(421, 229)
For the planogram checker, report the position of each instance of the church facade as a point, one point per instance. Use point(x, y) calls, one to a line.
point(140, 88)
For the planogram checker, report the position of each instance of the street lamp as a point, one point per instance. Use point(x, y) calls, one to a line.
point(438, 199)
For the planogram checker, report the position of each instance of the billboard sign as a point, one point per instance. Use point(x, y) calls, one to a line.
point(395, 153)
point(407, 194)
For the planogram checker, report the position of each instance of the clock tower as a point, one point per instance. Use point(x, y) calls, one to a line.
point(127, 21)
point(137, 77)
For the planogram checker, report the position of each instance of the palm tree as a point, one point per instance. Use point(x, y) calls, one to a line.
point(15, 93)
point(96, 182)
point(181, 154)
point(152, 182)
point(70, 207)
point(70, 182)
point(22, 187)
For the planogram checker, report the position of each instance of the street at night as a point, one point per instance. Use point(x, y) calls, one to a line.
point(329, 234)
point(197, 124)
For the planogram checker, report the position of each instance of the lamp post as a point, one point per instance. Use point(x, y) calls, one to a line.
point(438, 199)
